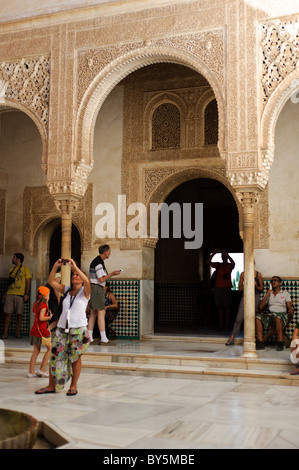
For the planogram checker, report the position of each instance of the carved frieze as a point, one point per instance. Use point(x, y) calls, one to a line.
point(242, 160)
point(248, 178)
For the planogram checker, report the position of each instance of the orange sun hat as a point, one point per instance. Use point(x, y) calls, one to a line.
point(43, 290)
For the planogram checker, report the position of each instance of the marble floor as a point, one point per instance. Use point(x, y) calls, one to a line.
point(122, 412)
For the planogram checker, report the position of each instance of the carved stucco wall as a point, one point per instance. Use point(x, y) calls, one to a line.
point(149, 175)
point(89, 57)
point(106, 66)
point(279, 56)
point(25, 85)
point(40, 209)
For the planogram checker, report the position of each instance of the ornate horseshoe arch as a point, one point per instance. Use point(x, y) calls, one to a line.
point(122, 66)
point(277, 100)
point(13, 105)
point(168, 179)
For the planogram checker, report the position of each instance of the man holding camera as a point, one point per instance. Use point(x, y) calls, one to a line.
point(17, 292)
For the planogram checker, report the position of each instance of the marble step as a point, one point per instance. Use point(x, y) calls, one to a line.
point(199, 357)
point(204, 368)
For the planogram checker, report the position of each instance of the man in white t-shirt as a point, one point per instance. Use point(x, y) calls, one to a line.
point(98, 276)
point(279, 308)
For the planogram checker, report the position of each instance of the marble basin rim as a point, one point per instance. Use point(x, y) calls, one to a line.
point(18, 430)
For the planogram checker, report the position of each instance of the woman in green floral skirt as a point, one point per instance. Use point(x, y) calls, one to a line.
point(71, 337)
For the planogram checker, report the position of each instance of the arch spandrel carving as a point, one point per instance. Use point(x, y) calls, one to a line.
point(159, 183)
point(279, 78)
point(25, 83)
point(202, 52)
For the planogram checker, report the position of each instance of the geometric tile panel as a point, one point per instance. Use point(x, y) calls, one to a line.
point(126, 292)
point(25, 317)
point(176, 304)
point(126, 325)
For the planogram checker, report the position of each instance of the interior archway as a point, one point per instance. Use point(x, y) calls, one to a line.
point(55, 245)
point(183, 298)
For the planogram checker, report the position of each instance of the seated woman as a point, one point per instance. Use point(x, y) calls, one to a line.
point(111, 307)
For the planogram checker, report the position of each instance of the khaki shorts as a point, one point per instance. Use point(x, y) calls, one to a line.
point(97, 297)
point(267, 318)
point(14, 303)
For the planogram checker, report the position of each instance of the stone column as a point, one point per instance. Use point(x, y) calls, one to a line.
point(248, 200)
point(66, 206)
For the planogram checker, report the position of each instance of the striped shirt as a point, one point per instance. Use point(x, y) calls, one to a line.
point(96, 270)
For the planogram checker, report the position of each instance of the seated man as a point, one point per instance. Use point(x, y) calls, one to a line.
point(279, 307)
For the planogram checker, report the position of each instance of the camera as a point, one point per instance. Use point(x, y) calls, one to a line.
point(64, 261)
point(10, 281)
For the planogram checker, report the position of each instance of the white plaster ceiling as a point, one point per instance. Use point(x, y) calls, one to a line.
point(18, 9)
point(12, 10)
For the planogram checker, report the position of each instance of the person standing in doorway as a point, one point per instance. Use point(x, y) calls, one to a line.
point(17, 293)
point(223, 286)
point(98, 276)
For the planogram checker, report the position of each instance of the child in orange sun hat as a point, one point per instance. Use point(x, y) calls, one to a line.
point(39, 330)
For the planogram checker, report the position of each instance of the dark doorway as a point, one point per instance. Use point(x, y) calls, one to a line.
point(183, 298)
point(55, 245)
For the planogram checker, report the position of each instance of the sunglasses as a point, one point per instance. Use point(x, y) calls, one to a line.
point(275, 280)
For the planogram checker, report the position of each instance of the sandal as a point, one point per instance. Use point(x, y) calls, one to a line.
point(42, 391)
point(294, 372)
point(230, 342)
point(72, 392)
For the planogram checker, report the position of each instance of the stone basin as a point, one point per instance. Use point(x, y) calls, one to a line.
point(17, 430)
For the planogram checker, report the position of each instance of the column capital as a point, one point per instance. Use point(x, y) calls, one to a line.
point(66, 205)
point(248, 196)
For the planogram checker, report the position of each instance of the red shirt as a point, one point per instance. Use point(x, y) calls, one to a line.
point(223, 278)
point(39, 328)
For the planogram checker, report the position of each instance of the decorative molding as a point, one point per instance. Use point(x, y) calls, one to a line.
point(248, 178)
point(242, 160)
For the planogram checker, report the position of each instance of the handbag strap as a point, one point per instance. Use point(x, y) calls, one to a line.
point(37, 324)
